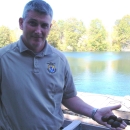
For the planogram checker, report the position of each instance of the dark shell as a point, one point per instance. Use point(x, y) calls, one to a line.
point(110, 122)
point(116, 124)
point(113, 117)
point(119, 119)
point(104, 119)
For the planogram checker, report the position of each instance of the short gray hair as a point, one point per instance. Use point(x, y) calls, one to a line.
point(39, 6)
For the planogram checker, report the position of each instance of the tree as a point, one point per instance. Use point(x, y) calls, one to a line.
point(62, 44)
point(122, 32)
point(6, 36)
point(73, 31)
point(97, 36)
point(54, 35)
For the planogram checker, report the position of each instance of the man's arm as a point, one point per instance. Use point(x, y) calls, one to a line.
point(77, 105)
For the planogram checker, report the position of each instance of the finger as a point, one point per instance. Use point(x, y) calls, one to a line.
point(118, 128)
point(109, 126)
point(123, 124)
point(121, 127)
point(115, 107)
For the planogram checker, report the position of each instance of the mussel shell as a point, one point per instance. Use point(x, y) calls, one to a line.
point(110, 122)
point(112, 117)
point(104, 119)
point(115, 124)
point(119, 119)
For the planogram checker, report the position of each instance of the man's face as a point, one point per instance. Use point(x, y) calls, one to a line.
point(35, 28)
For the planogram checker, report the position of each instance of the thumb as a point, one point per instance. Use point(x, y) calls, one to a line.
point(115, 107)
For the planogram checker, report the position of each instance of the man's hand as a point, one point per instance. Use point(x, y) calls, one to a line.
point(106, 112)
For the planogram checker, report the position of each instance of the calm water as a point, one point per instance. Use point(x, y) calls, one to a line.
point(101, 72)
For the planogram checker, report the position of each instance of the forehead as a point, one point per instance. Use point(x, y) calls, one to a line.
point(38, 17)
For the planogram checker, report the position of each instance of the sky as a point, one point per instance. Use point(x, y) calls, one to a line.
point(108, 11)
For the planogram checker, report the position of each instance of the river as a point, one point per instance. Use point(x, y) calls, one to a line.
point(101, 72)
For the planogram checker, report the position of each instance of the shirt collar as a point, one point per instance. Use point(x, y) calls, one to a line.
point(46, 51)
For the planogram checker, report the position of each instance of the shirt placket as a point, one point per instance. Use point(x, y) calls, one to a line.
point(36, 66)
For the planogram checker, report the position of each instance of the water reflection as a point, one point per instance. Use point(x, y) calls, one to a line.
point(101, 72)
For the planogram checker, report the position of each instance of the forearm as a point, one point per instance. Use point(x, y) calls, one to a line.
point(77, 105)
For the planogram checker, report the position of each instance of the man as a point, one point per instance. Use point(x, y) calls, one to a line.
point(36, 78)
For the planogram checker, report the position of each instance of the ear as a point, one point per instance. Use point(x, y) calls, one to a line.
point(50, 25)
point(21, 23)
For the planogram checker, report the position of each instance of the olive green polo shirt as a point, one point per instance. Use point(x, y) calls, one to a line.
point(32, 87)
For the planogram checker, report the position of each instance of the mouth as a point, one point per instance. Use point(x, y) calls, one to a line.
point(36, 37)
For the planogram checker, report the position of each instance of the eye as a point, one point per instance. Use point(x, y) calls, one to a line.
point(45, 26)
point(33, 23)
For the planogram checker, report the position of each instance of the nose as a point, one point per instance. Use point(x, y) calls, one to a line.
point(38, 30)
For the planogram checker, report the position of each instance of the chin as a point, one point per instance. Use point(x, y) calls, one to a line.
point(38, 44)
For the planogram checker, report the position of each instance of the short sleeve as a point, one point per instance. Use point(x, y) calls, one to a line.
point(69, 87)
point(0, 76)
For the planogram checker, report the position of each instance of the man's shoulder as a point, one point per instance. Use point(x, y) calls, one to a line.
point(7, 48)
point(58, 53)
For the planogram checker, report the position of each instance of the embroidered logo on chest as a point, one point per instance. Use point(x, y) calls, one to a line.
point(51, 67)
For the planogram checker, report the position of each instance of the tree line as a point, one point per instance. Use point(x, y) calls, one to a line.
point(72, 35)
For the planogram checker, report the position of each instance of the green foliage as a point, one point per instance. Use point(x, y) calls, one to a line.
point(66, 35)
point(73, 31)
point(54, 35)
point(97, 36)
point(122, 32)
point(6, 36)
point(72, 35)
